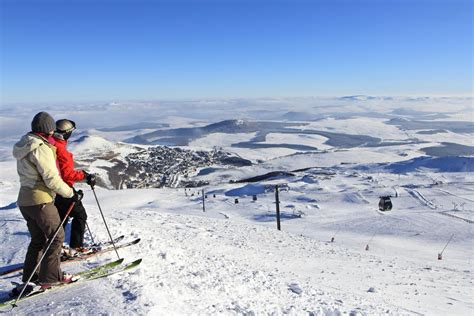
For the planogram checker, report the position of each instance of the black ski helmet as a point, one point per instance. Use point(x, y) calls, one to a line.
point(64, 128)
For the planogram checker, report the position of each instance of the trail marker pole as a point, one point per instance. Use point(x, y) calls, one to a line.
point(277, 202)
point(203, 201)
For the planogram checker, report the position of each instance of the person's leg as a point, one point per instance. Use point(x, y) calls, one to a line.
point(62, 204)
point(47, 219)
point(38, 239)
point(78, 227)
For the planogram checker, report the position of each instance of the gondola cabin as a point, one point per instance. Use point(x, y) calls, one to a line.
point(385, 203)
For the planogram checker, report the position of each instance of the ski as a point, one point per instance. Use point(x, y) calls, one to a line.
point(101, 271)
point(105, 273)
point(19, 267)
point(107, 243)
point(80, 257)
point(99, 268)
point(101, 245)
point(95, 247)
point(88, 272)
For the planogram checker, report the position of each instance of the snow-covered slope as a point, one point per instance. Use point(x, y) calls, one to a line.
point(231, 259)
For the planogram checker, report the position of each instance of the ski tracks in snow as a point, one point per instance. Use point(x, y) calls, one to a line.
point(207, 266)
point(199, 265)
point(10, 236)
point(424, 201)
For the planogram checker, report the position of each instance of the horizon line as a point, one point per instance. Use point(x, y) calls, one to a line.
point(171, 99)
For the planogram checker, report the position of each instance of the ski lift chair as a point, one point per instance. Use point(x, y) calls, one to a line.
point(385, 203)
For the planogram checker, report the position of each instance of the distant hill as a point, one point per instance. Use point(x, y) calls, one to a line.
point(449, 149)
point(453, 126)
point(438, 164)
point(301, 116)
point(183, 136)
point(133, 127)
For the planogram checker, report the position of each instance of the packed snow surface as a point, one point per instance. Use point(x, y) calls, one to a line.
point(222, 262)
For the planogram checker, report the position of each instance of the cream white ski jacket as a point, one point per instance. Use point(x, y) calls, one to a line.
point(39, 175)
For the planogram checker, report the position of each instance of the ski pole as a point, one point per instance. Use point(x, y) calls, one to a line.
point(90, 233)
point(45, 251)
point(107, 227)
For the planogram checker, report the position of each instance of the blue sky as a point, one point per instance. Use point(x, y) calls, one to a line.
point(101, 50)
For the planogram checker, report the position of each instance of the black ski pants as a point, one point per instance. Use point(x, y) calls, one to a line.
point(79, 218)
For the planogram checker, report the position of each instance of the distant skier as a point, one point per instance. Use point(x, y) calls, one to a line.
point(39, 183)
point(64, 129)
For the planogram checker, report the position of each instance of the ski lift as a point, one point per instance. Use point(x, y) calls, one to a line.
point(385, 203)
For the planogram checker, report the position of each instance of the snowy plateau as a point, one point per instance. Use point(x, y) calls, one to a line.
point(221, 253)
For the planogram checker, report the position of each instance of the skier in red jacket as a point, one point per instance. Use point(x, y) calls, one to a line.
point(64, 129)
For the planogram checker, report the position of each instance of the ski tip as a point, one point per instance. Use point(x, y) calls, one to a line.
point(5, 305)
point(133, 264)
point(136, 262)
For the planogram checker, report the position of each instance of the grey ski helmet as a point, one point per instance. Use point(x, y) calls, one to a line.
point(64, 129)
point(65, 126)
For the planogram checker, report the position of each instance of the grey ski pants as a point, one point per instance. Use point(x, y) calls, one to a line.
point(42, 221)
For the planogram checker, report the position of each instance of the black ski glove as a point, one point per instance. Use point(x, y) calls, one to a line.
point(78, 195)
point(90, 179)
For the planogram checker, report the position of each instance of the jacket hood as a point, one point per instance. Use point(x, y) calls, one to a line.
point(27, 144)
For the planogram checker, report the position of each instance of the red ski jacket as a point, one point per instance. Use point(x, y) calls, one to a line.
point(66, 163)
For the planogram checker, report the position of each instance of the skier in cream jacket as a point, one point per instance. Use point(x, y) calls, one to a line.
point(40, 182)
